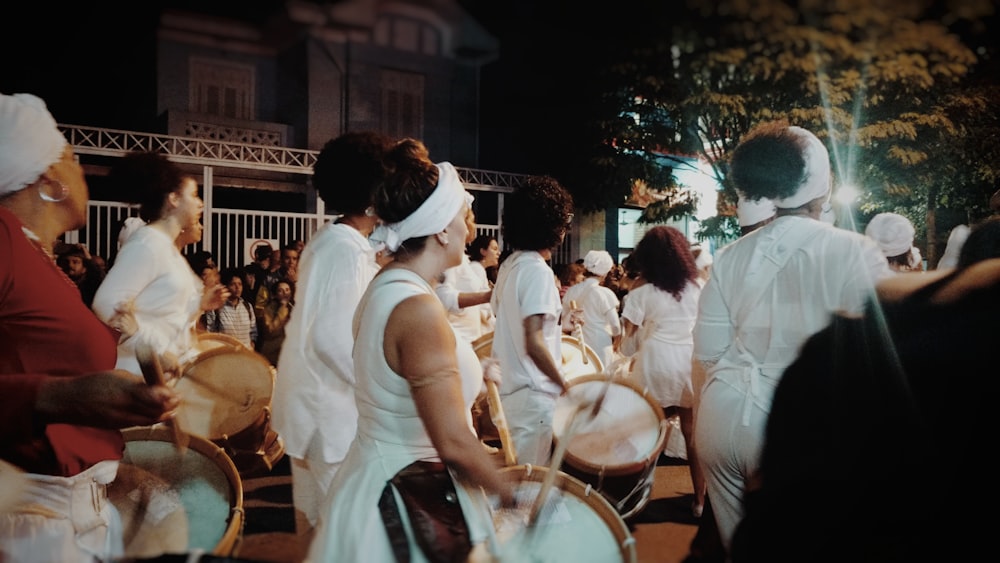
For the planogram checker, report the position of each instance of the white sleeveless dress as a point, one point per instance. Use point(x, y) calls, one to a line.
point(390, 436)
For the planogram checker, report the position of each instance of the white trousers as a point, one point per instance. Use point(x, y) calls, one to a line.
point(66, 519)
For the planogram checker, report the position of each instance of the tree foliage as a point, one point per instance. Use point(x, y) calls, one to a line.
point(889, 86)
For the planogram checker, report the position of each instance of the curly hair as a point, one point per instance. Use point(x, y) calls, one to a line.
point(146, 178)
point(349, 168)
point(411, 178)
point(537, 214)
point(769, 162)
point(663, 257)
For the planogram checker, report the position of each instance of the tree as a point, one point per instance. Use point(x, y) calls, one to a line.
point(885, 84)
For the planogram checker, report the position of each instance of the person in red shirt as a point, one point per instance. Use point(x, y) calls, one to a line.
point(62, 403)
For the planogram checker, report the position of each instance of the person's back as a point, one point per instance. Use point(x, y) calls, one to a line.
point(857, 419)
point(769, 291)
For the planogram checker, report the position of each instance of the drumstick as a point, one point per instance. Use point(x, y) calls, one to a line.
point(500, 421)
point(152, 372)
point(578, 332)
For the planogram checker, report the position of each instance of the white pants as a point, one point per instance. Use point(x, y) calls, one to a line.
point(311, 478)
point(529, 416)
point(65, 519)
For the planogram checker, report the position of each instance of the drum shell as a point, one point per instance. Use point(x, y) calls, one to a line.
point(226, 388)
point(203, 477)
point(620, 479)
point(583, 503)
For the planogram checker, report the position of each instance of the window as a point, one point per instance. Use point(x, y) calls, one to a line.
point(222, 88)
point(402, 104)
point(408, 34)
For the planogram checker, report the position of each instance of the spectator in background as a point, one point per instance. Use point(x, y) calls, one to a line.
point(255, 273)
point(236, 317)
point(894, 235)
point(75, 260)
point(275, 316)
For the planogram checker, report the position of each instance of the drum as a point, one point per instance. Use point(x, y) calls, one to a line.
point(575, 523)
point(175, 502)
point(208, 340)
point(573, 350)
point(615, 451)
point(226, 393)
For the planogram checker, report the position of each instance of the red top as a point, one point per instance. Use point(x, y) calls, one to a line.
point(45, 331)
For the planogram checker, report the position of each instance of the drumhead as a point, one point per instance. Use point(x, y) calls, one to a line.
point(224, 391)
point(575, 524)
point(626, 435)
point(175, 502)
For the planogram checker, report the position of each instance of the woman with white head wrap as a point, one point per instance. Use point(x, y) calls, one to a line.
point(767, 294)
point(61, 401)
point(597, 306)
point(416, 380)
point(894, 235)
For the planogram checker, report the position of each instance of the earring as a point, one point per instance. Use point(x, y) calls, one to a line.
point(369, 211)
point(63, 191)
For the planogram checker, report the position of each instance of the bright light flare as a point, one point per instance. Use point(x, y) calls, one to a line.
point(847, 194)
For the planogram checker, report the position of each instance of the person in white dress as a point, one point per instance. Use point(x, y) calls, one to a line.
point(658, 317)
point(150, 277)
point(416, 380)
point(312, 407)
point(484, 256)
point(597, 307)
point(894, 235)
point(769, 291)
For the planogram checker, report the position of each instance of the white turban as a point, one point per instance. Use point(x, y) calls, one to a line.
point(893, 233)
point(432, 216)
point(752, 212)
point(816, 181)
point(30, 141)
point(598, 262)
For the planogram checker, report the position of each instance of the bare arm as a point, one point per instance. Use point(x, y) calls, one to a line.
point(539, 353)
point(420, 345)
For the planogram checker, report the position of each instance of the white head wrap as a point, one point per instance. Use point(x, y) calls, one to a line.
point(129, 227)
point(30, 141)
point(752, 212)
point(704, 258)
point(598, 262)
point(816, 181)
point(893, 233)
point(432, 216)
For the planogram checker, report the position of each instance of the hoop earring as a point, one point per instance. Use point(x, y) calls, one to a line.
point(63, 192)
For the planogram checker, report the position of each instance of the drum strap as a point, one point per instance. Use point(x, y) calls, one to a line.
point(394, 525)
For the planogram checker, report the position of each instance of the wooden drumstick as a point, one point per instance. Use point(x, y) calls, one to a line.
point(500, 421)
point(152, 372)
point(578, 332)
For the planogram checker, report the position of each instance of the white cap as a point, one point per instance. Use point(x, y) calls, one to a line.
point(598, 262)
point(752, 212)
point(893, 233)
point(816, 180)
